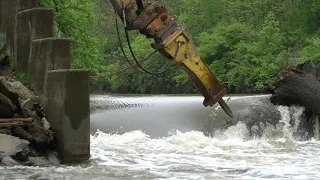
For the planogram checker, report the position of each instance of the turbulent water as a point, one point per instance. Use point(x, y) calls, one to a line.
point(229, 154)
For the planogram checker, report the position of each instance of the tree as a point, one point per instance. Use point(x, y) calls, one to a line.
point(76, 19)
point(311, 52)
point(245, 43)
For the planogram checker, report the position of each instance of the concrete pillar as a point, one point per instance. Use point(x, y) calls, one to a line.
point(48, 54)
point(33, 24)
point(3, 17)
point(11, 29)
point(27, 4)
point(8, 22)
point(68, 111)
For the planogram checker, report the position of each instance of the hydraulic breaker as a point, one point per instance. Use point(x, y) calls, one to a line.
point(173, 40)
point(181, 48)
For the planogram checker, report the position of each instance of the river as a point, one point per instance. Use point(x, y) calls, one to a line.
point(229, 154)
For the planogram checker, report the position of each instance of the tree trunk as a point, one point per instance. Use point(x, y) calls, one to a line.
point(298, 86)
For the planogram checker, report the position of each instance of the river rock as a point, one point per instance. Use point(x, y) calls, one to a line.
point(2, 156)
point(22, 133)
point(7, 107)
point(52, 157)
point(42, 138)
point(15, 90)
point(5, 131)
point(4, 63)
point(8, 161)
point(10, 145)
point(39, 161)
point(46, 124)
point(32, 139)
point(20, 95)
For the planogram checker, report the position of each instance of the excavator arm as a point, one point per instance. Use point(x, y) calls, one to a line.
point(173, 40)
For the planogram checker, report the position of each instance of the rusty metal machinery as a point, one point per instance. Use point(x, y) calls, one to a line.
point(172, 40)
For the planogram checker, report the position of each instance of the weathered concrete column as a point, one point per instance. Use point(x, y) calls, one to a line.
point(8, 22)
point(68, 111)
point(48, 54)
point(27, 4)
point(33, 24)
point(9, 10)
point(3, 17)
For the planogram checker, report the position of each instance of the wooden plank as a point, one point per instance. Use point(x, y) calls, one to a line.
point(12, 120)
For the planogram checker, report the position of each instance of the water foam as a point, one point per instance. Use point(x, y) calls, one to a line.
point(229, 154)
point(192, 155)
point(237, 133)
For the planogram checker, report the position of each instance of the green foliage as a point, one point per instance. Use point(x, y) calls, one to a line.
point(22, 77)
point(245, 43)
point(133, 81)
point(270, 37)
point(3, 49)
point(215, 43)
point(311, 52)
point(77, 20)
point(219, 48)
point(244, 59)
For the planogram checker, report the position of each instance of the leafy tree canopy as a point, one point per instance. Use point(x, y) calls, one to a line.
point(245, 43)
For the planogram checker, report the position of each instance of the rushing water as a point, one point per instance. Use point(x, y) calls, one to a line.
point(229, 154)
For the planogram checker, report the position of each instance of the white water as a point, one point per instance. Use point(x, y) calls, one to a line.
point(231, 154)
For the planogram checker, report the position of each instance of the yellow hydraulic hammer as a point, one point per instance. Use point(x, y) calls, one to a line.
point(182, 49)
point(173, 41)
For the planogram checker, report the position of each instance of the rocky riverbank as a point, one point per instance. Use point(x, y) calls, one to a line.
point(25, 134)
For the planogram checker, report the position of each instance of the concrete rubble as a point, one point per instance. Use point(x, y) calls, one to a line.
point(25, 134)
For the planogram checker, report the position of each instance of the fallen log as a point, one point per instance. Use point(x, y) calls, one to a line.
point(9, 120)
point(11, 125)
point(298, 86)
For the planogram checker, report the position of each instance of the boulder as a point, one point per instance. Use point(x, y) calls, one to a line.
point(11, 145)
point(298, 85)
point(7, 107)
point(39, 161)
point(8, 161)
point(15, 90)
point(22, 156)
point(22, 133)
point(2, 156)
point(4, 60)
point(52, 156)
point(42, 138)
point(5, 131)
point(33, 138)
point(21, 96)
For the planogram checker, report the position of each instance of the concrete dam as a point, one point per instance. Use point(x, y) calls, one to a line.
point(160, 116)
